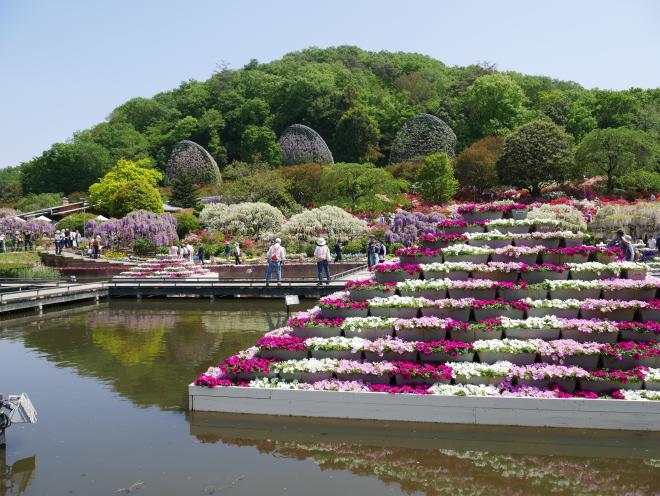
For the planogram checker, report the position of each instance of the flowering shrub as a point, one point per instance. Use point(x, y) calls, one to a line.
point(328, 221)
point(290, 343)
point(407, 226)
point(38, 228)
point(388, 344)
point(469, 369)
point(570, 216)
point(507, 345)
point(464, 390)
point(411, 269)
point(120, 233)
point(255, 220)
point(335, 343)
point(453, 348)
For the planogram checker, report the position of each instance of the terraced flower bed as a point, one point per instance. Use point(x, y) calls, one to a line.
point(167, 267)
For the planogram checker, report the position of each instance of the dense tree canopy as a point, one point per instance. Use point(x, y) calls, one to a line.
point(475, 166)
point(435, 181)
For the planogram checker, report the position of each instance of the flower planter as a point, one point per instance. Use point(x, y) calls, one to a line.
point(653, 362)
point(544, 227)
point(626, 363)
point(526, 333)
point(441, 357)
point(421, 333)
point(422, 259)
point(558, 258)
point(605, 258)
point(537, 276)
point(477, 380)
point(635, 274)
point(338, 354)
point(649, 314)
point(311, 377)
point(496, 275)
point(470, 228)
point(490, 243)
point(566, 384)
point(368, 378)
point(562, 313)
point(369, 333)
point(629, 294)
point(248, 376)
point(342, 313)
point(477, 293)
point(462, 314)
point(280, 354)
point(494, 313)
point(431, 294)
point(478, 259)
point(454, 275)
point(573, 242)
point(367, 294)
point(290, 376)
point(583, 361)
point(394, 276)
point(591, 275)
point(531, 242)
point(575, 294)
point(526, 259)
point(630, 335)
point(407, 381)
point(485, 215)
point(652, 385)
point(619, 315)
point(394, 312)
point(520, 294)
point(607, 385)
point(316, 332)
point(519, 213)
point(408, 356)
point(587, 337)
point(470, 336)
point(508, 229)
point(515, 358)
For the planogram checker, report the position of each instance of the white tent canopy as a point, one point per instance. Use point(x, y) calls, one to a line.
point(19, 219)
point(101, 218)
point(43, 218)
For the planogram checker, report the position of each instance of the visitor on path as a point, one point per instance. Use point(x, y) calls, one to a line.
point(651, 243)
point(237, 253)
point(338, 251)
point(58, 242)
point(275, 256)
point(190, 252)
point(322, 257)
point(625, 243)
point(173, 251)
point(67, 238)
point(27, 240)
point(381, 250)
point(2, 242)
point(372, 254)
point(18, 241)
point(74, 239)
point(96, 247)
point(228, 251)
point(200, 254)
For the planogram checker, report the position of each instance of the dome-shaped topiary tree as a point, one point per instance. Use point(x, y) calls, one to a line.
point(189, 158)
point(420, 136)
point(301, 144)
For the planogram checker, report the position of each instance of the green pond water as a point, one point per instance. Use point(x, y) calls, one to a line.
point(109, 383)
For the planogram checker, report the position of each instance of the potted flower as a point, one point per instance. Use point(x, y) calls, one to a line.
point(242, 368)
point(518, 211)
point(338, 347)
point(475, 213)
point(516, 351)
point(339, 305)
point(632, 270)
point(541, 375)
point(574, 289)
point(617, 310)
point(651, 311)
point(545, 224)
point(566, 309)
point(308, 370)
point(591, 271)
point(398, 307)
point(547, 240)
point(569, 352)
point(493, 239)
point(577, 254)
point(365, 289)
point(572, 239)
point(607, 254)
point(627, 354)
point(652, 379)
point(407, 373)
point(463, 390)
point(520, 290)
point(427, 288)
point(533, 274)
point(435, 241)
point(498, 271)
point(305, 326)
point(601, 381)
point(395, 272)
point(466, 253)
point(494, 309)
point(483, 289)
point(445, 351)
point(459, 226)
point(390, 348)
point(523, 254)
point(638, 331)
point(469, 332)
point(367, 327)
point(545, 328)
point(416, 255)
point(455, 309)
point(282, 348)
point(630, 289)
point(421, 329)
point(511, 226)
point(481, 373)
point(589, 331)
point(456, 271)
point(369, 372)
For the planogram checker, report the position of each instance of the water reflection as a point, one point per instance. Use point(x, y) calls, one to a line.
point(453, 460)
point(16, 478)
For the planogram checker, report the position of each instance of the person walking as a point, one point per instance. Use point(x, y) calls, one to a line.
point(625, 243)
point(381, 250)
point(237, 253)
point(173, 251)
point(17, 241)
point(58, 242)
point(2, 242)
point(275, 256)
point(338, 251)
point(228, 251)
point(372, 254)
point(27, 240)
point(200, 253)
point(322, 257)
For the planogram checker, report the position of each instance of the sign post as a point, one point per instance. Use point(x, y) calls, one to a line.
point(290, 300)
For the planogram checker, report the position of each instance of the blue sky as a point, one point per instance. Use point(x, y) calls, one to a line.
point(65, 64)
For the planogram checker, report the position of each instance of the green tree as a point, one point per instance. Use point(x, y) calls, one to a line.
point(265, 187)
point(136, 195)
point(535, 154)
point(32, 202)
point(185, 223)
point(435, 180)
point(121, 140)
point(184, 194)
point(11, 188)
point(259, 143)
point(615, 152)
point(303, 181)
point(65, 167)
point(142, 113)
point(356, 137)
point(475, 167)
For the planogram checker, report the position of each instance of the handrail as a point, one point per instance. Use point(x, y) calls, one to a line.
point(64, 290)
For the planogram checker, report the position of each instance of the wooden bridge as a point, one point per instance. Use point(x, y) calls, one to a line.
point(16, 296)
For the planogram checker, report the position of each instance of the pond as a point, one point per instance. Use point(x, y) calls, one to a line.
point(109, 383)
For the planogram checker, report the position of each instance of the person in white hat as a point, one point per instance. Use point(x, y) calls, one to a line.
point(275, 255)
point(322, 256)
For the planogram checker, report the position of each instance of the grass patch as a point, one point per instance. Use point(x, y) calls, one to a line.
point(26, 257)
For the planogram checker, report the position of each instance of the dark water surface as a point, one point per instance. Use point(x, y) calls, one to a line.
point(109, 383)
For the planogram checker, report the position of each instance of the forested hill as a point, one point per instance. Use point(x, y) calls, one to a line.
point(356, 100)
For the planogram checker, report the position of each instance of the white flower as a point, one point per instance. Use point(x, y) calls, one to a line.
point(594, 267)
point(398, 301)
point(464, 390)
point(652, 374)
point(507, 345)
point(495, 234)
point(572, 284)
point(448, 266)
point(547, 322)
point(312, 365)
point(465, 250)
point(560, 304)
point(337, 343)
point(273, 383)
point(355, 324)
point(470, 369)
point(641, 395)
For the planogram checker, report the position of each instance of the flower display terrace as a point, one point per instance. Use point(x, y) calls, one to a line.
point(168, 267)
point(540, 330)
